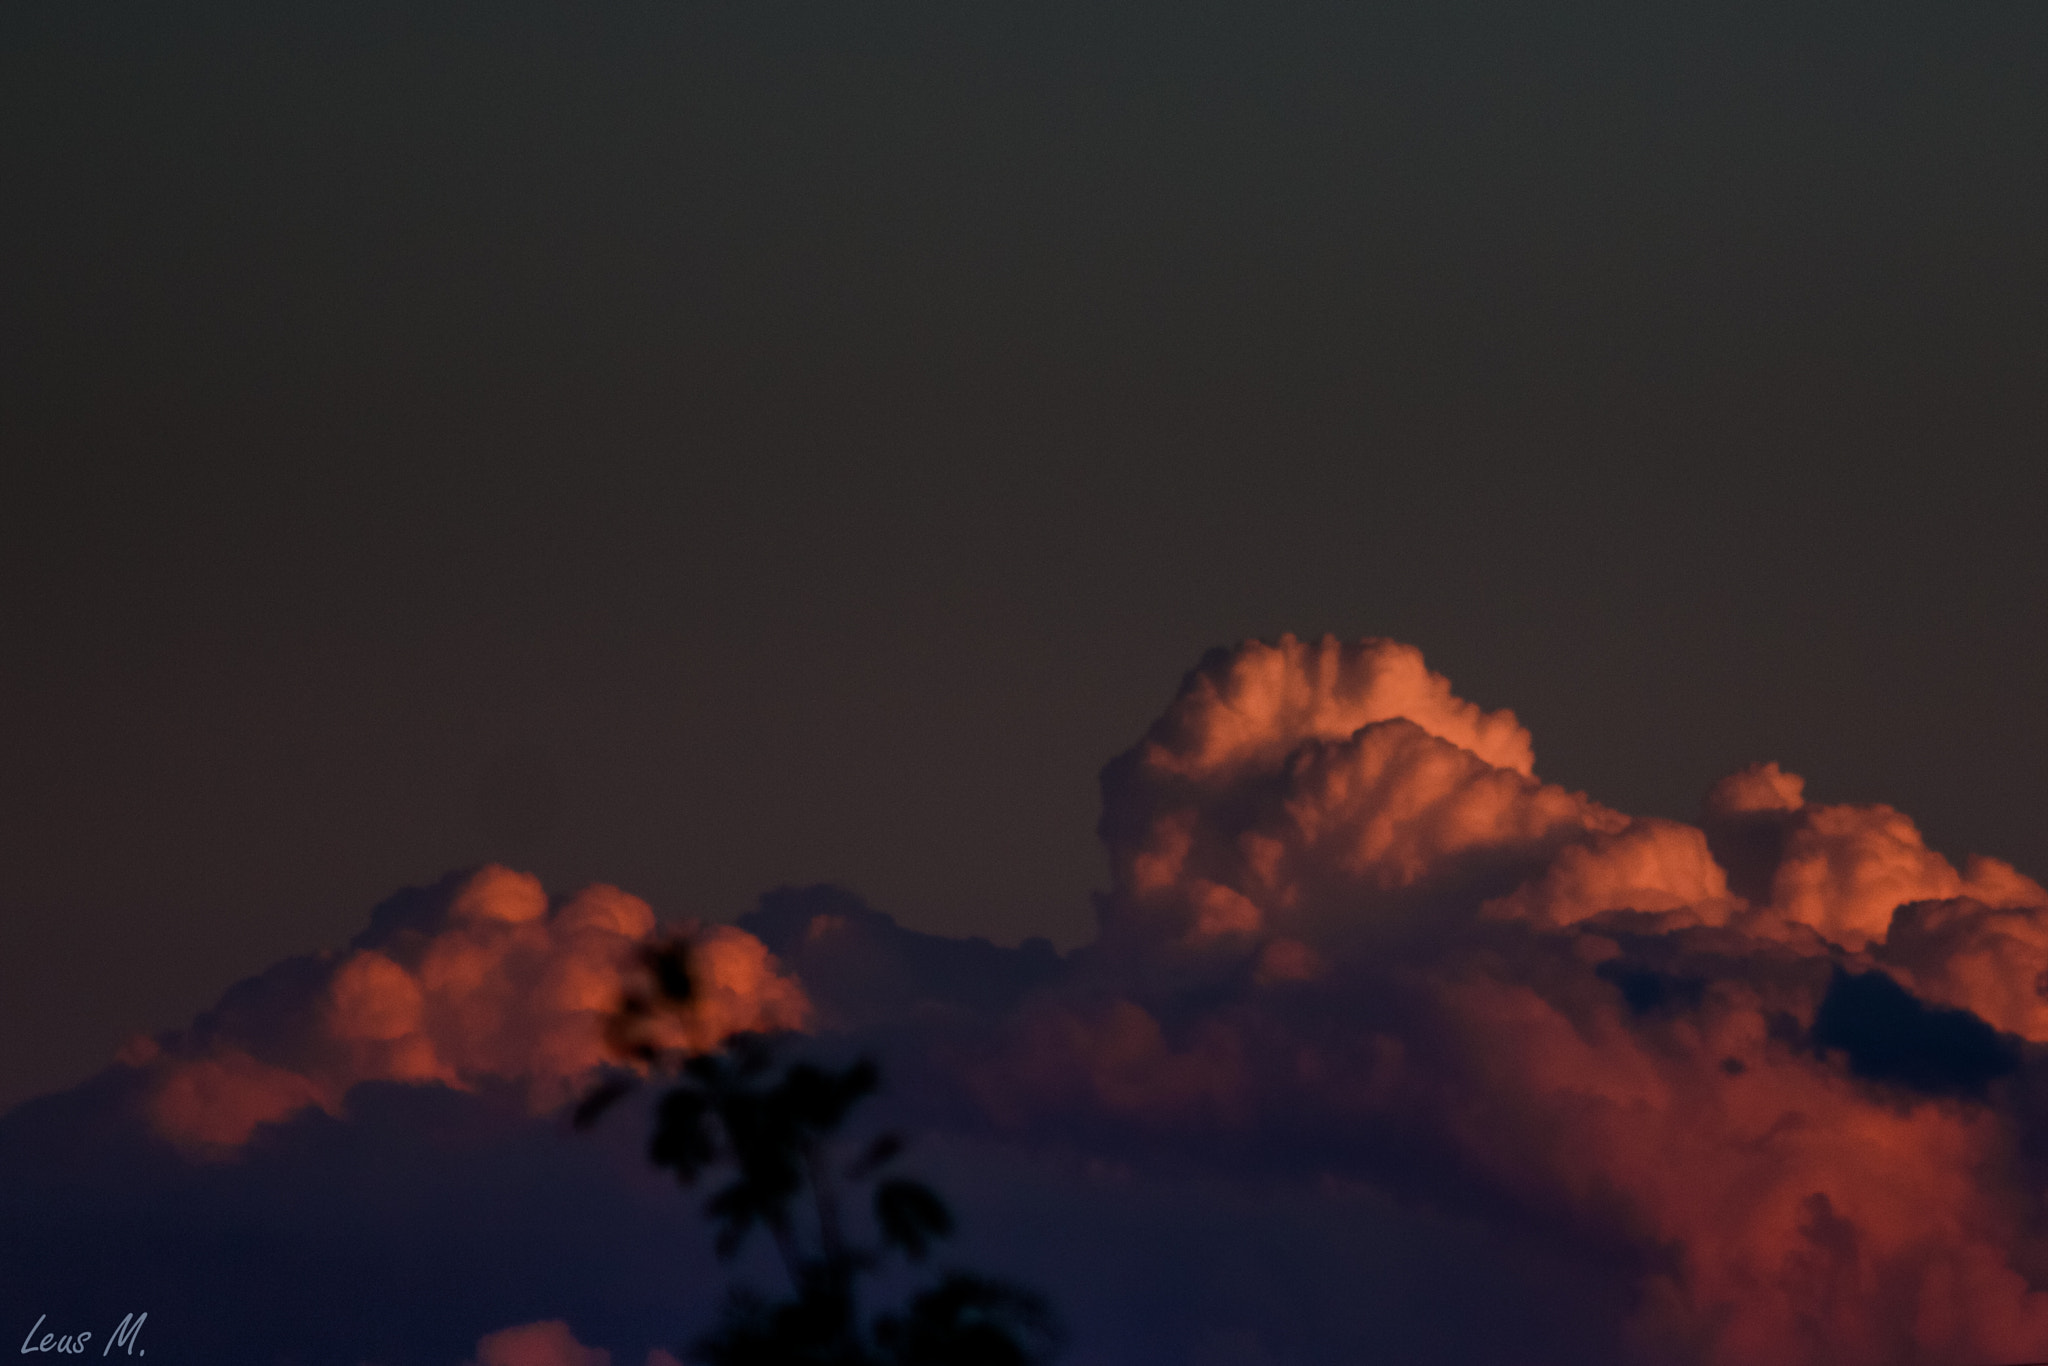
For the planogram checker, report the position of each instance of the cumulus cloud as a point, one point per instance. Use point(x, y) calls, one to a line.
point(1767, 1088)
point(1771, 1058)
point(479, 981)
point(547, 1343)
point(1318, 792)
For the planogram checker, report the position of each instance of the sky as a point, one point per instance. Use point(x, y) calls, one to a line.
point(706, 449)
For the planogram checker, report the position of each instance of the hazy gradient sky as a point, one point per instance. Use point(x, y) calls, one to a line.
point(703, 447)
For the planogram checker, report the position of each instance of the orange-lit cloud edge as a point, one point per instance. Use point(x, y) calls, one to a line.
point(1345, 912)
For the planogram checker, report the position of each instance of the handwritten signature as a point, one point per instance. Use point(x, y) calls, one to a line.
point(75, 1343)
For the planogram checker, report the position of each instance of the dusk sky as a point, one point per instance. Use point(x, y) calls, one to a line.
point(707, 449)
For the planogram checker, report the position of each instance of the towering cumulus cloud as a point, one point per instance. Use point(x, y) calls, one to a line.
point(1779, 1062)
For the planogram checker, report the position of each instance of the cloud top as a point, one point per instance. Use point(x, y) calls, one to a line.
point(1777, 1059)
point(480, 981)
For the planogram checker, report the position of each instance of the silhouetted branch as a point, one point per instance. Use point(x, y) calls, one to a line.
point(773, 1126)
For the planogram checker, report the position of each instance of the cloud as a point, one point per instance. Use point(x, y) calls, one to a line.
point(477, 981)
point(1841, 869)
point(1210, 847)
point(1765, 1089)
point(1350, 930)
point(548, 1343)
point(1990, 959)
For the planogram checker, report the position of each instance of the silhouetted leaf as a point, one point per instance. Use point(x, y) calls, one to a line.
point(683, 1137)
point(737, 1209)
point(670, 964)
point(809, 1096)
point(970, 1321)
point(879, 1154)
point(752, 1053)
point(911, 1216)
point(859, 1081)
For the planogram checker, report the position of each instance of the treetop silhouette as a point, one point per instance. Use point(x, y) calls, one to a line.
point(770, 1124)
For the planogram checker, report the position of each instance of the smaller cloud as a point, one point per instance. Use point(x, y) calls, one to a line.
point(1991, 960)
point(548, 1343)
point(1840, 869)
point(478, 981)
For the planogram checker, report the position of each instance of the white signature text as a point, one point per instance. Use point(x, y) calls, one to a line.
point(76, 1343)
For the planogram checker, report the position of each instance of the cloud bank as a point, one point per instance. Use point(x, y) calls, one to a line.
point(1763, 1089)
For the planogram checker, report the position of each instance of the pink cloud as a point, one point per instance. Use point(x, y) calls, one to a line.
point(1343, 903)
point(497, 988)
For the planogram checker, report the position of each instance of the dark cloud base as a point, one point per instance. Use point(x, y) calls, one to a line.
point(429, 1218)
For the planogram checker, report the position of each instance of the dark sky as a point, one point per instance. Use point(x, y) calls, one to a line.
point(708, 446)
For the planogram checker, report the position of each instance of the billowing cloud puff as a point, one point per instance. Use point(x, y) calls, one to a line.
point(1648, 865)
point(478, 982)
point(1346, 919)
point(1992, 960)
point(1241, 711)
point(1317, 791)
point(1841, 869)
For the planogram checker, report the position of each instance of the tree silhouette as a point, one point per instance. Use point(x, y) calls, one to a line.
point(770, 1124)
